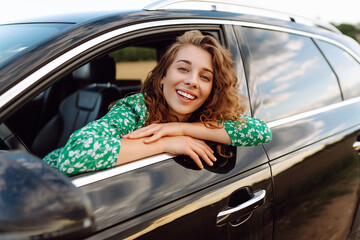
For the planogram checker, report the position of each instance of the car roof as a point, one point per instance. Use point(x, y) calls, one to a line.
point(76, 17)
point(212, 7)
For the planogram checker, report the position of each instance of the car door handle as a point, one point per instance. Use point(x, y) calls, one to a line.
point(246, 208)
point(356, 146)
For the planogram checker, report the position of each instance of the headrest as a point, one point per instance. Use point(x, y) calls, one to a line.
point(101, 70)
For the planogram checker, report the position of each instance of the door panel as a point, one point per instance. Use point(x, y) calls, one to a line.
point(194, 216)
point(316, 190)
point(122, 197)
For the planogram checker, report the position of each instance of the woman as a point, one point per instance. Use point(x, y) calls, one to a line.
point(190, 96)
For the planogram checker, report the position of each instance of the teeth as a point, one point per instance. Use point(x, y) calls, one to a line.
point(186, 95)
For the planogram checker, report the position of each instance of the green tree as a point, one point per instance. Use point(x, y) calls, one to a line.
point(349, 30)
point(131, 54)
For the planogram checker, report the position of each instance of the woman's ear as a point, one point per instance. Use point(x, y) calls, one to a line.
point(162, 83)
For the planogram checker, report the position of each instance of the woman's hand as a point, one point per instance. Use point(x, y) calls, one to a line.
point(194, 148)
point(157, 131)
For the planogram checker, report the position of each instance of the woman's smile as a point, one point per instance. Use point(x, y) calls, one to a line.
point(185, 96)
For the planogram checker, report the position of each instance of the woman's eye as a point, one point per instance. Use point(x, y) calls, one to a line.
point(182, 69)
point(205, 78)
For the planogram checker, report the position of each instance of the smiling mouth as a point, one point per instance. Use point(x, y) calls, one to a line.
point(185, 95)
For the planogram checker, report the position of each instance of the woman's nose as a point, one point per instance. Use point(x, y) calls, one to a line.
point(192, 80)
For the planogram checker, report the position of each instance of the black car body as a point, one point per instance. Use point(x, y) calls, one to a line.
point(300, 76)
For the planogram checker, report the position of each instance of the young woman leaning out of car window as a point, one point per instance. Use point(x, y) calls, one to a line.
point(189, 97)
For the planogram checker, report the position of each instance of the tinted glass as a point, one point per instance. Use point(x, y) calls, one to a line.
point(15, 38)
point(291, 73)
point(345, 66)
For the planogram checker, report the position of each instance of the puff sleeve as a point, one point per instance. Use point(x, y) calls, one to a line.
point(247, 131)
point(96, 146)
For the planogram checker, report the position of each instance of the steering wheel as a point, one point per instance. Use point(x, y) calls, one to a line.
point(11, 140)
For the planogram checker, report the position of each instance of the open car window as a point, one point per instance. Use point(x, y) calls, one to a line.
point(85, 93)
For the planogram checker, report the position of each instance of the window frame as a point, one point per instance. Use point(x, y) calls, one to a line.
point(343, 86)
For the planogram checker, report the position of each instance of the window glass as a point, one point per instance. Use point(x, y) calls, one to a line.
point(345, 66)
point(291, 73)
point(15, 38)
point(134, 63)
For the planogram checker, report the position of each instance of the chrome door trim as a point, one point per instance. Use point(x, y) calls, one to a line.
point(108, 173)
point(310, 113)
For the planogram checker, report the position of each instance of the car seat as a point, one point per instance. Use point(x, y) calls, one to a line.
point(81, 107)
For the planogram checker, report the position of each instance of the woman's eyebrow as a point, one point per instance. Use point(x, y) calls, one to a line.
point(189, 62)
point(185, 61)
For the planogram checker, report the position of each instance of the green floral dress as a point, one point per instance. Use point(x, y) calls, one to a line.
point(96, 146)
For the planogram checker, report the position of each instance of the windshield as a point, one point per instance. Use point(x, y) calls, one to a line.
point(15, 38)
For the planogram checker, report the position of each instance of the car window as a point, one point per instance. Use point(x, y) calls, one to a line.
point(15, 38)
point(291, 73)
point(116, 73)
point(345, 66)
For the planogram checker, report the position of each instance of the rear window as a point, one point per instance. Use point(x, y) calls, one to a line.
point(16, 38)
point(291, 73)
point(346, 67)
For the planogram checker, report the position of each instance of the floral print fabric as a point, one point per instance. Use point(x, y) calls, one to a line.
point(96, 146)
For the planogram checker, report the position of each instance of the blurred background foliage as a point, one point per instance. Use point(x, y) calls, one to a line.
point(134, 54)
point(350, 30)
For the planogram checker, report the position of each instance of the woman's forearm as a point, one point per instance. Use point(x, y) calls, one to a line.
point(200, 131)
point(134, 149)
point(196, 149)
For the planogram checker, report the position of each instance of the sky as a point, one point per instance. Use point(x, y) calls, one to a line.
point(335, 11)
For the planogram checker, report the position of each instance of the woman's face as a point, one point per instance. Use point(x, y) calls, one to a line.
point(188, 81)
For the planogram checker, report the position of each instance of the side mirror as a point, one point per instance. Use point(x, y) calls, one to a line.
point(38, 202)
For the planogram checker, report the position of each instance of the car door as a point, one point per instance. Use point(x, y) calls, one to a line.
point(167, 197)
point(314, 165)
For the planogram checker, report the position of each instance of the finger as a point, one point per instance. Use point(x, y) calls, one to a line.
point(196, 159)
point(140, 130)
point(207, 149)
point(203, 143)
point(143, 132)
point(200, 152)
point(209, 154)
point(154, 137)
point(130, 134)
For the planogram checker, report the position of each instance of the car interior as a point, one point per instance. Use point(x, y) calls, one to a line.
point(83, 95)
point(46, 122)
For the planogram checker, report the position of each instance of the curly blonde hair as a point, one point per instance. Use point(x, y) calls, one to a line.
point(223, 102)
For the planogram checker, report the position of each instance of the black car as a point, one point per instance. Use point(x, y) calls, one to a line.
point(300, 76)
